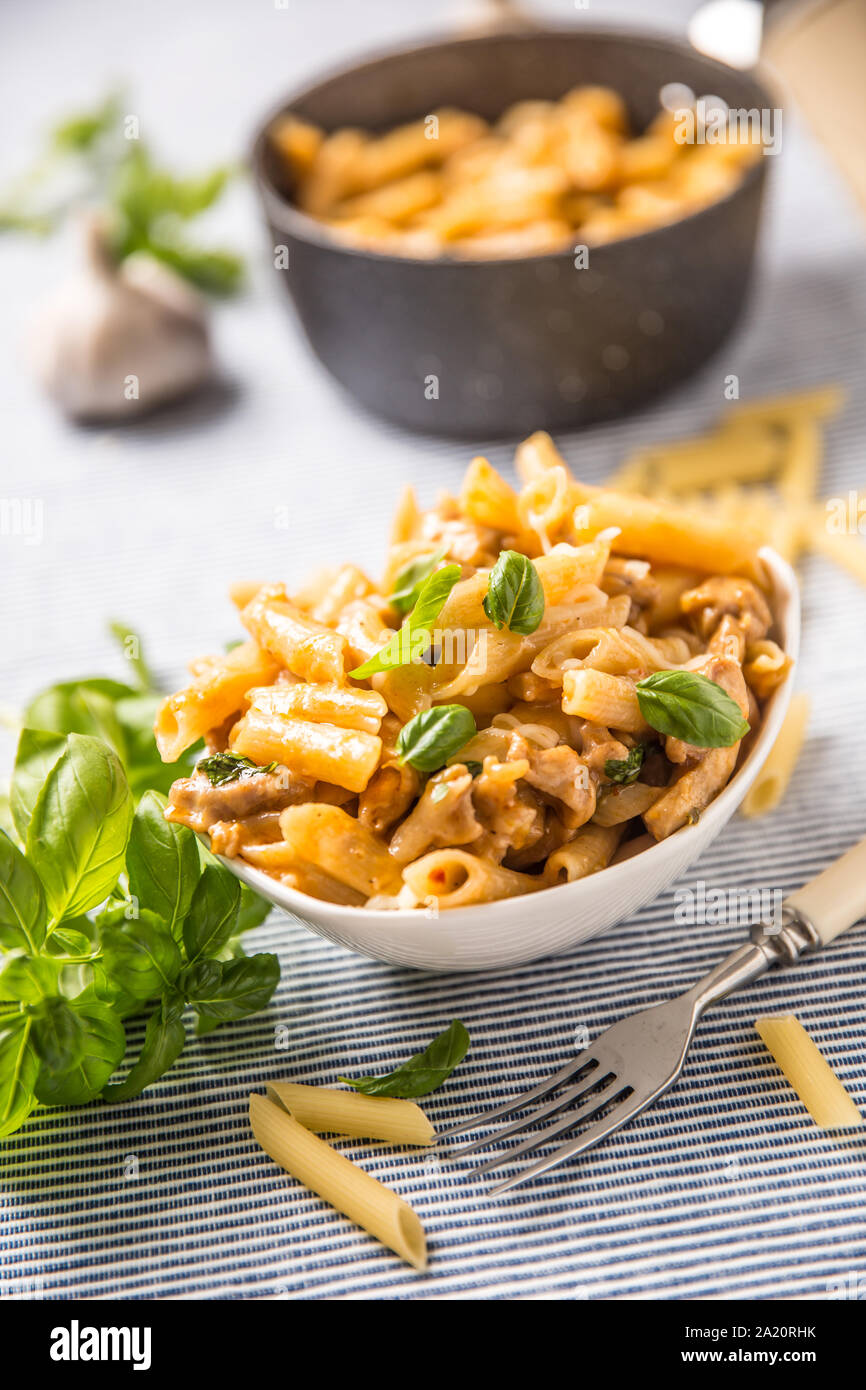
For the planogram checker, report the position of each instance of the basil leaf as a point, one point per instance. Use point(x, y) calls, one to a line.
point(103, 1044)
point(625, 770)
point(22, 903)
point(28, 979)
point(37, 753)
point(80, 707)
point(690, 707)
point(408, 582)
point(220, 992)
point(141, 956)
point(58, 1035)
point(434, 736)
point(76, 840)
point(422, 1073)
point(221, 768)
point(515, 598)
point(162, 862)
point(19, 1066)
point(75, 936)
point(474, 769)
point(130, 644)
point(253, 910)
point(414, 637)
point(164, 1039)
point(213, 913)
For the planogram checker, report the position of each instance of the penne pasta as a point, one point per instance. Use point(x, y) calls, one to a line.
point(217, 693)
point(344, 705)
point(308, 649)
point(499, 755)
point(811, 1076)
point(320, 751)
point(349, 1112)
point(453, 878)
point(372, 1206)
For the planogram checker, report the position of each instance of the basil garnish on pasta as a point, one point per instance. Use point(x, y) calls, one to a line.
point(625, 770)
point(409, 581)
point(515, 598)
point(691, 707)
point(434, 736)
point(221, 768)
point(414, 637)
point(422, 1073)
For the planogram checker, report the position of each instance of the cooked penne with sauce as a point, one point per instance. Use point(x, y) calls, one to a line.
point(545, 173)
point(548, 677)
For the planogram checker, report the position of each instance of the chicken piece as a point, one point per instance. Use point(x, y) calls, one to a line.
point(727, 596)
point(193, 801)
point(388, 796)
point(444, 816)
point(562, 774)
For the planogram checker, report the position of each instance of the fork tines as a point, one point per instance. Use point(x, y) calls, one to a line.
point(600, 1098)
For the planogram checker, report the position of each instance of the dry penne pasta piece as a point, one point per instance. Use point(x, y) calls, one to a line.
point(799, 474)
point(810, 1074)
point(320, 751)
point(329, 1111)
point(371, 1205)
point(819, 403)
point(773, 778)
point(347, 706)
point(309, 649)
point(216, 694)
point(453, 878)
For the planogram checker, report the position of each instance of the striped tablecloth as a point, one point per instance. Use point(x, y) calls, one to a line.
point(725, 1188)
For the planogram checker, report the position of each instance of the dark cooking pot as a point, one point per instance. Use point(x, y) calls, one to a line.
point(529, 343)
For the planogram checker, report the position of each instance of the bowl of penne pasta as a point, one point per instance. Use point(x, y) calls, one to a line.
point(548, 705)
point(480, 234)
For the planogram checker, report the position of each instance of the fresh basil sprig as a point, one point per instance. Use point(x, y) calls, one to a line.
point(413, 639)
point(422, 1073)
point(107, 912)
point(625, 770)
point(221, 768)
point(408, 582)
point(515, 598)
point(688, 706)
point(434, 736)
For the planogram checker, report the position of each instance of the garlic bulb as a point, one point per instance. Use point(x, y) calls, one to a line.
point(116, 341)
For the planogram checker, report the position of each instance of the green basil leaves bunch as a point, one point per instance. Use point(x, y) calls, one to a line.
point(108, 911)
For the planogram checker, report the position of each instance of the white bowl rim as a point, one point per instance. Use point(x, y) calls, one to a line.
point(786, 595)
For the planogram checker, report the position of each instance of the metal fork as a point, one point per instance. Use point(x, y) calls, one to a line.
point(640, 1058)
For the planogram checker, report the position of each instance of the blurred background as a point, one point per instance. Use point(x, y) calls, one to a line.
point(274, 470)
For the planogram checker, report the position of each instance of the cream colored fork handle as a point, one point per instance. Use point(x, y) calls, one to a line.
point(836, 899)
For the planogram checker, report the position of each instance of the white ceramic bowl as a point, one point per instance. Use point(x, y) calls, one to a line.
point(492, 935)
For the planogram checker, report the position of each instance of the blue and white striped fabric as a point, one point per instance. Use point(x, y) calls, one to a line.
point(725, 1188)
